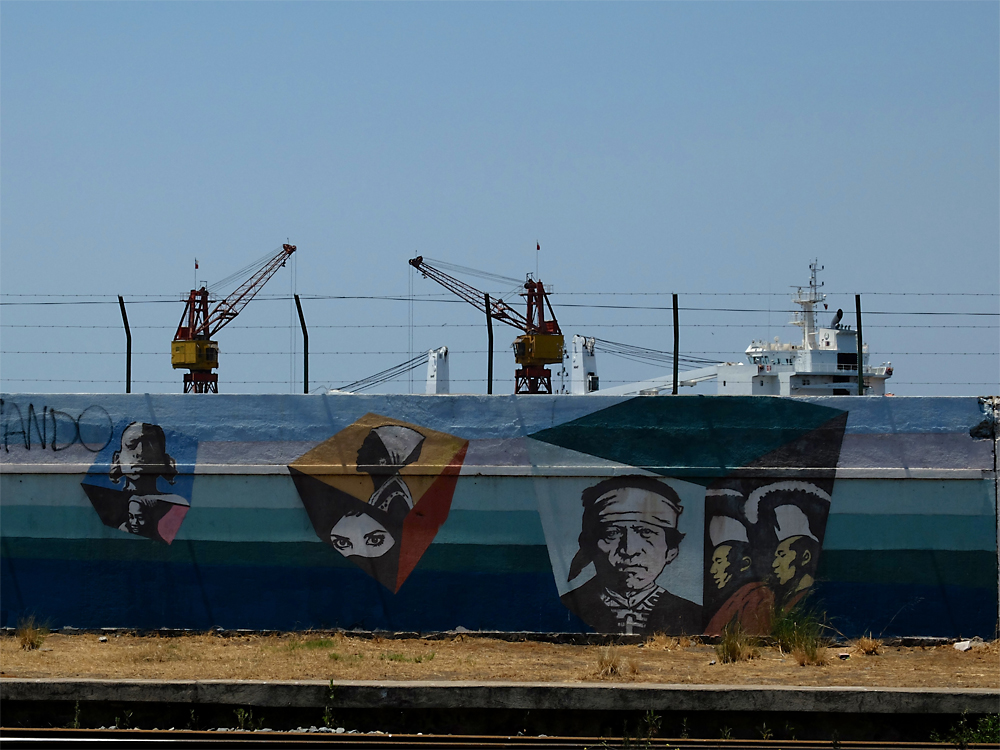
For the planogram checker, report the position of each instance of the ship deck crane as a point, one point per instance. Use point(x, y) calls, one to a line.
point(193, 347)
point(541, 342)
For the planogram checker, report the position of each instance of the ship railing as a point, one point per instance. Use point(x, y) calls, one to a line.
point(874, 371)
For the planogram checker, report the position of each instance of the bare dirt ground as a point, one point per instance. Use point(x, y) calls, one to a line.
point(335, 656)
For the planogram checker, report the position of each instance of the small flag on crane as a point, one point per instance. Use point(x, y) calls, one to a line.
point(538, 247)
point(195, 264)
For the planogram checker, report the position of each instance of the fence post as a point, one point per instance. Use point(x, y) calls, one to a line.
point(489, 343)
point(128, 347)
point(861, 358)
point(305, 346)
point(677, 346)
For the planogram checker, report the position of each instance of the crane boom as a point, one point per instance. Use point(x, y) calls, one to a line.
point(542, 340)
point(534, 322)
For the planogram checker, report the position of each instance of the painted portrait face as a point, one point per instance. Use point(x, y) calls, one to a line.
point(139, 452)
point(633, 552)
point(360, 535)
point(720, 565)
point(784, 564)
point(136, 517)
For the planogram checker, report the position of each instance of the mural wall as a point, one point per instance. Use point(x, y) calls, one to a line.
point(504, 513)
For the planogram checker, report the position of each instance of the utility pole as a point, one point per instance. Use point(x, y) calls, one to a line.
point(677, 346)
point(305, 346)
point(861, 358)
point(489, 338)
point(128, 347)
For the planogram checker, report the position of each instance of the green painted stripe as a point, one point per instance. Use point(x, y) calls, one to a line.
point(893, 532)
point(955, 497)
point(976, 569)
point(438, 557)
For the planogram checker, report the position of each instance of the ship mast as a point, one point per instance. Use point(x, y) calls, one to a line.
point(806, 317)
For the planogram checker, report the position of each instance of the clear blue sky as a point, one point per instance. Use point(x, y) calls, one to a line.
point(649, 147)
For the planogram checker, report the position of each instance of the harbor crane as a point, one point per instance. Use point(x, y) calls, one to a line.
point(193, 347)
point(541, 342)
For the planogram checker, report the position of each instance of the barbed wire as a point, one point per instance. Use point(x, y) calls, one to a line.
point(469, 325)
point(450, 352)
point(453, 380)
point(575, 305)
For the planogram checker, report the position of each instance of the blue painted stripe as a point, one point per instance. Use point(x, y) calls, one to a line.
point(930, 497)
point(917, 610)
point(875, 532)
point(155, 595)
point(912, 414)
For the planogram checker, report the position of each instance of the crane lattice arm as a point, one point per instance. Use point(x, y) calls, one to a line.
point(499, 310)
point(204, 324)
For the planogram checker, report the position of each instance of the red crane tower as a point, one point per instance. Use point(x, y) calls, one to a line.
point(542, 341)
point(193, 348)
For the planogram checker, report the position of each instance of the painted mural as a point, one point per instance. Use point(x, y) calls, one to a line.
point(378, 491)
point(129, 495)
point(677, 515)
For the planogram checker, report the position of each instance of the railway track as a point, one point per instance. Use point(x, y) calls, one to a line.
point(18, 738)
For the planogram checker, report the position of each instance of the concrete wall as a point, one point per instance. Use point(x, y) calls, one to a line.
point(537, 513)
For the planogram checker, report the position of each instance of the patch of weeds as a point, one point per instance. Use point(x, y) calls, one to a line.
point(609, 663)
point(192, 720)
point(30, 633)
point(725, 733)
point(396, 656)
point(684, 729)
point(867, 645)
point(329, 720)
point(649, 727)
point(316, 643)
point(765, 731)
point(124, 721)
point(75, 724)
point(986, 732)
point(800, 631)
point(245, 721)
point(334, 655)
point(736, 644)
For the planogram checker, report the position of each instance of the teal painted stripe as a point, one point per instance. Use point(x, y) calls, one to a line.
point(485, 493)
point(977, 569)
point(896, 532)
point(213, 524)
point(931, 497)
point(438, 557)
point(263, 525)
point(492, 527)
point(56, 490)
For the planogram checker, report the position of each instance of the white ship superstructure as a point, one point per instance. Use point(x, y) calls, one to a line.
point(824, 364)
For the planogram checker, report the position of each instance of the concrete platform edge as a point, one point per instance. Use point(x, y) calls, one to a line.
point(510, 695)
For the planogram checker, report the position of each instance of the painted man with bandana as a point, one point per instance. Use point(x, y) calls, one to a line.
point(629, 536)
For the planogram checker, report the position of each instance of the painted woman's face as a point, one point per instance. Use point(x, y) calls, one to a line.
point(360, 535)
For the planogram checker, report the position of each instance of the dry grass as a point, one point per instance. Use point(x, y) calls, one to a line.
point(867, 646)
point(30, 634)
point(334, 656)
point(612, 664)
point(808, 654)
point(736, 645)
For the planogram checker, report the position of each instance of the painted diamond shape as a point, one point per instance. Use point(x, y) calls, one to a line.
point(378, 491)
point(135, 484)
